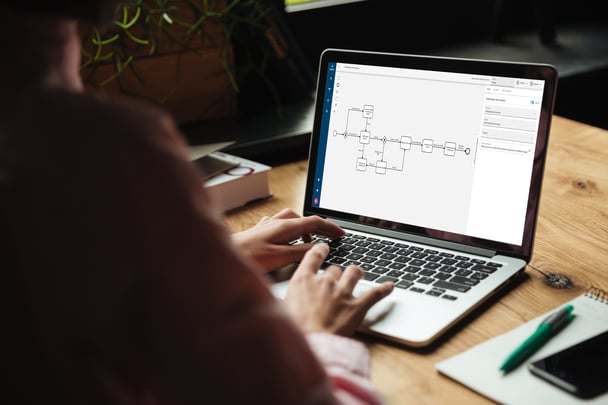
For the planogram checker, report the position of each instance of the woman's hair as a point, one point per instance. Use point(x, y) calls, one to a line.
point(98, 12)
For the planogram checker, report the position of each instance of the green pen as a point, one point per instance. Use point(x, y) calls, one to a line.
point(547, 329)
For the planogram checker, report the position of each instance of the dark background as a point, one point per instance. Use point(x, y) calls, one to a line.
point(483, 29)
point(572, 36)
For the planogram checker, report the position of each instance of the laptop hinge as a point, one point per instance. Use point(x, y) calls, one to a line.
point(416, 238)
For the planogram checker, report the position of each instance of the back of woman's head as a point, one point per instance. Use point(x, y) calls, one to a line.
point(98, 12)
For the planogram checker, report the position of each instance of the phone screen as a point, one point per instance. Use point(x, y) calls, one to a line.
point(579, 369)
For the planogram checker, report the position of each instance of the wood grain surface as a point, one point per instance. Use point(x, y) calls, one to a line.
point(571, 239)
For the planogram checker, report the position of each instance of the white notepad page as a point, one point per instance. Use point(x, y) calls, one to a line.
point(478, 367)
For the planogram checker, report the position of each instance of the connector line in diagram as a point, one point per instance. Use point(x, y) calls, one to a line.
point(404, 143)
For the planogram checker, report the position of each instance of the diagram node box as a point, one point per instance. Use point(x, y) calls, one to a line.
point(449, 149)
point(427, 145)
point(405, 143)
point(364, 137)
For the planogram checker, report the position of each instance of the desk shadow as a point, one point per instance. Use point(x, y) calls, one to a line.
point(454, 330)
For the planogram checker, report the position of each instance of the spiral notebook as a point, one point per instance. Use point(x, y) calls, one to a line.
point(477, 368)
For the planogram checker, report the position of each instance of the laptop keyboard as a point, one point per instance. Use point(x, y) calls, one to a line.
point(417, 269)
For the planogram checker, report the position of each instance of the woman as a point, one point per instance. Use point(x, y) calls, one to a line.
point(122, 284)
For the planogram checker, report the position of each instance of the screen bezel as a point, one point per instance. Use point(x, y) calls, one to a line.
point(448, 64)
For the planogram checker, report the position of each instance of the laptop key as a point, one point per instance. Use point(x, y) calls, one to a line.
point(435, 292)
point(396, 266)
point(442, 276)
point(484, 268)
point(340, 253)
point(451, 286)
point(419, 255)
point(432, 265)
point(374, 253)
point(336, 260)
point(426, 272)
point(395, 273)
point(464, 281)
point(354, 256)
point(333, 243)
point(447, 269)
point(404, 284)
point(402, 259)
point(370, 276)
point(425, 280)
point(380, 270)
point(434, 258)
point(368, 259)
point(479, 276)
point(386, 278)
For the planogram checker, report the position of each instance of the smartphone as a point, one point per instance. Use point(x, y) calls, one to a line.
point(216, 163)
point(579, 369)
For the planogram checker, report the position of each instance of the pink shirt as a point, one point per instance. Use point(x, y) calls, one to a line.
point(347, 363)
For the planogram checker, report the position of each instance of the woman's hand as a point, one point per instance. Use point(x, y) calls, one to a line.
point(325, 302)
point(267, 243)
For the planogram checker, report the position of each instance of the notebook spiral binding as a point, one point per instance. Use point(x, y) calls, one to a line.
point(597, 294)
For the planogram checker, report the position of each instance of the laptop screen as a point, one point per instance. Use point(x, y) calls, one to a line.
point(447, 148)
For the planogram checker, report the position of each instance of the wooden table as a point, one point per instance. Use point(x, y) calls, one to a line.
point(571, 238)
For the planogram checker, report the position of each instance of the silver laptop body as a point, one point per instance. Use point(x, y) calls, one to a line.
point(434, 167)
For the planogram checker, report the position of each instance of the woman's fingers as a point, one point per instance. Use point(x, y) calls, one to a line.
point(313, 259)
point(350, 278)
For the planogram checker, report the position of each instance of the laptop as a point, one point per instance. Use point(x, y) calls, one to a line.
point(433, 166)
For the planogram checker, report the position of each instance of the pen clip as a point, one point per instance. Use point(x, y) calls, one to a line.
point(558, 319)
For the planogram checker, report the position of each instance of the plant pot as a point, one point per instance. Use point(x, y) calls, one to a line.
point(191, 85)
point(176, 57)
